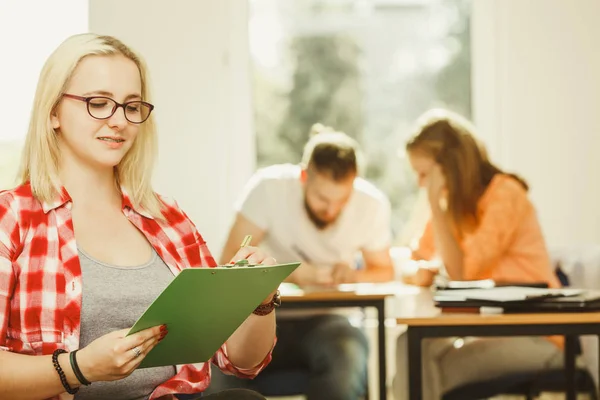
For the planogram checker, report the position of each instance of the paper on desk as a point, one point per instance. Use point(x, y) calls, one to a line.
point(505, 294)
point(290, 289)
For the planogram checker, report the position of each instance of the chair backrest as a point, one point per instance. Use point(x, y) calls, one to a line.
point(581, 267)
point(283, 383)
point(529, 384)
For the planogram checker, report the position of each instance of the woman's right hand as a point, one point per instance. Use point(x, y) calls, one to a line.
point(423, 277)
point(436, 183)
point(115, 356)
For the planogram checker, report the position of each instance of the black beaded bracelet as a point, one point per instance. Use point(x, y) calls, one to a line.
point(61, 373)
point(76, 370)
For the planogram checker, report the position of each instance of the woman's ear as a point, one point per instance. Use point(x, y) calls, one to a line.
point(54, 118)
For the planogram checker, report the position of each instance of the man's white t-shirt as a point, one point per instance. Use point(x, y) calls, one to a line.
point(274, 200)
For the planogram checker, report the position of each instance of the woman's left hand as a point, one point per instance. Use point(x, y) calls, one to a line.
point(255, 256)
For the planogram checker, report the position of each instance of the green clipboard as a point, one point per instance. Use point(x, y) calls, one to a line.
point(202, 307)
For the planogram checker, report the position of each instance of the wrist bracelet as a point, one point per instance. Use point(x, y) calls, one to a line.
point(266, 309)
point(61, 373)
point(76, 370)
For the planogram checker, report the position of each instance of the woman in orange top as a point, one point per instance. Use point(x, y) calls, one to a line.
point(482, 226)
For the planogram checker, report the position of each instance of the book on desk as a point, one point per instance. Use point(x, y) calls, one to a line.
point(446, 284)
point(518, 299)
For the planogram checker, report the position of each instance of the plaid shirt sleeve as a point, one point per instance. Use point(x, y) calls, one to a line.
point(9, 237)
point(221, 360)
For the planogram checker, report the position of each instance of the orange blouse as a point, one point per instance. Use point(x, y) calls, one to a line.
point(507, 245)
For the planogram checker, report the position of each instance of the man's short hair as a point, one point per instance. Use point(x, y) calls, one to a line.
point(332, 153)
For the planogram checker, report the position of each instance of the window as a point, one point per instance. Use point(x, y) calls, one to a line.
point(27, 37)
point(365, 67)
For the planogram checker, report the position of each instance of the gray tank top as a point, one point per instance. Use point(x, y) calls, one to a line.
point(114, 298)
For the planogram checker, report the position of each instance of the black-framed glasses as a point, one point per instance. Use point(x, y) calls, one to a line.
point(101, 107)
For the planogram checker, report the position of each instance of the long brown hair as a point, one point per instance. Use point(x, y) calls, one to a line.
point(449, 139)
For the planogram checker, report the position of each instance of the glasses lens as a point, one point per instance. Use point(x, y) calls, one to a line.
point(101, 107)
point(137, 111)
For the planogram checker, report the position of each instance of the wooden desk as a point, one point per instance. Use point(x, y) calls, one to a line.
point(424, 320)
point(348, 296)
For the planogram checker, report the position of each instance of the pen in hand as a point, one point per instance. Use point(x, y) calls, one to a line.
point(245, 243)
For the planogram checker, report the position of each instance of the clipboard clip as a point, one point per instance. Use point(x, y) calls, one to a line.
point(241, 263)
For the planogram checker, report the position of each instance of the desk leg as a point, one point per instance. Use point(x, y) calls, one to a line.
point(415, 385)
point(596, 382)
point(570, 346)
point(598, 385)
point(382, 355)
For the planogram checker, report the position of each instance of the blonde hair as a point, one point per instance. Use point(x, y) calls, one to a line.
point(332, 152)
point(39, 163)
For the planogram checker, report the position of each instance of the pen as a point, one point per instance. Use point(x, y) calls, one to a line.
point(246, 241)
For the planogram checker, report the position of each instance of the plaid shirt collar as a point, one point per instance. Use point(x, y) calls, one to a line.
point(37, 318)
point(63, 197)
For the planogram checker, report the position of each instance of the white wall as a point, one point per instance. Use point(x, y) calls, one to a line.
point(197, 53)
point(536, 92)
point(536, 99)
point(27, 38)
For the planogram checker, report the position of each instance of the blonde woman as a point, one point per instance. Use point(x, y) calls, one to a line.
point(482, 226)
point(86, 245)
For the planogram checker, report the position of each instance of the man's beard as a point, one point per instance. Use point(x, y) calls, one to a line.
point(319, 223)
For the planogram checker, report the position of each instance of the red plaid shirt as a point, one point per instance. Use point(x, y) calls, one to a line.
point(40, 279)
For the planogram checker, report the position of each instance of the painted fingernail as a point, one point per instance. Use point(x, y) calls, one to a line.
point(162, 335)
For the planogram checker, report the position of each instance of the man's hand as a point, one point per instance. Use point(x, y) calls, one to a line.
point(343, 273)
point(306, 275)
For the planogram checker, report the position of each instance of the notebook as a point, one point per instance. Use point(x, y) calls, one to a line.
point(589, 300)
point(202, 307)
point(521, 299)
point(483, 284)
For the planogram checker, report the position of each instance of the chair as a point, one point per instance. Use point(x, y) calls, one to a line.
point(581, 263)
point(286, 383)
point(532, 384)
point(528, 385)
point(282, 383)
point(490, 388)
